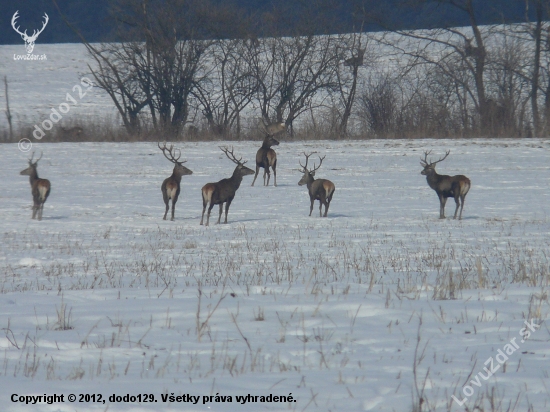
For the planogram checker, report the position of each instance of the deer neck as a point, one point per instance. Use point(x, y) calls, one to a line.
point(265, 144)
point(310, 180)
point(33, 176)
point(433, 179)
point(236, 178)
point(176, 176)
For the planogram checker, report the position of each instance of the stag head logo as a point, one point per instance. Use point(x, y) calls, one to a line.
point(29, 40)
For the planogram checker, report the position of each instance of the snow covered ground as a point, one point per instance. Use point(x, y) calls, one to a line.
point(37, 86)
point(372, 308)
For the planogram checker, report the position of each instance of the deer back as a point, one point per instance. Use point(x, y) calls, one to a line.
point(225, 189)
point(321, 188)
point(41, 189)
point(265, 156)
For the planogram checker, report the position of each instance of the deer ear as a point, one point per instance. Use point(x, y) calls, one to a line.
point(312, 173)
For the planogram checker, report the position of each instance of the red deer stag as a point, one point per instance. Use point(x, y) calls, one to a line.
point(224, 190)
point(445, 186)
point(319, 189)
point(171, 186)
point(272, 129)
point(40, 188)
point(266, 158)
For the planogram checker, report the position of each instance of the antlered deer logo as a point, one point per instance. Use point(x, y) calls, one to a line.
point(29, 40)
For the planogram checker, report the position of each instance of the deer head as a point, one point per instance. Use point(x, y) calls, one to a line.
point(29, 40)
point(170, 154)
point(309, 174)
point(241, 169)
point(29, 171)
point(271, 129)
point(429, 167)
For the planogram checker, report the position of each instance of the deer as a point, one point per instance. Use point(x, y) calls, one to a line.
point(319, 189)
point(445, 186)
point(224, 190)
point(29, 40)
point(266, 158)
point(40, 188)
point(272, 129)
point(171, 186)
point(356, 61)
point(71, 133)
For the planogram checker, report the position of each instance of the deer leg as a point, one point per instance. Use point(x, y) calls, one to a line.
point(457, 201)
point(268, 176)
point(311, 207)
point(220, 215)
point(208, 215)
point(321, 203)
point(174, 200)
point(165, 198)
point(203, 209)
point(462, 198)
point(34, 208)
point(256, 175)
point(40, 210)
point(227, 204)
point(327, 204)
point(274, 167)
point(442, 201)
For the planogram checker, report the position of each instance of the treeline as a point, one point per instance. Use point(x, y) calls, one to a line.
point(97, 20)
point(172, 76)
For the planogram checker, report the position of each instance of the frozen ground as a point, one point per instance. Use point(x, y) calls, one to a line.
point(370, 309)
point(37, 86)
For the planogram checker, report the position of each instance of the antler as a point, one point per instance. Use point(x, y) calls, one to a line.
point(35, 33)
point(169, 150)
point(443, 158)
point(424, 162)
point(30, 160)
point(13, 19)
point(227, 152)
point(307, 158)
point(320, 163)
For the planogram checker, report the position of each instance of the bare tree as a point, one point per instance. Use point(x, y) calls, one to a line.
point(157, 64)
point(459, 53)
point(291, 72)
point(229, 87)
point(353, 48)
point(8, 112)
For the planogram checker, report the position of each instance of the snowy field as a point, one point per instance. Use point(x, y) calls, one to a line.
point(37, 86)
point(370, 309)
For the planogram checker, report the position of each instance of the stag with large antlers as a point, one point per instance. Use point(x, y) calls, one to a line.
point(266, 158)
point(40, 188)
point(319, 189)
point(224, 190)
point(445, 186)
point(29, 40)
point(171, 186)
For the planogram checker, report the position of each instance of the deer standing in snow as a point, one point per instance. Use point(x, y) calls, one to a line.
point(266, 158)
point(171, 186)
point(224, 190)
point(40, 188)
point(319, 189)
point(445, 186)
